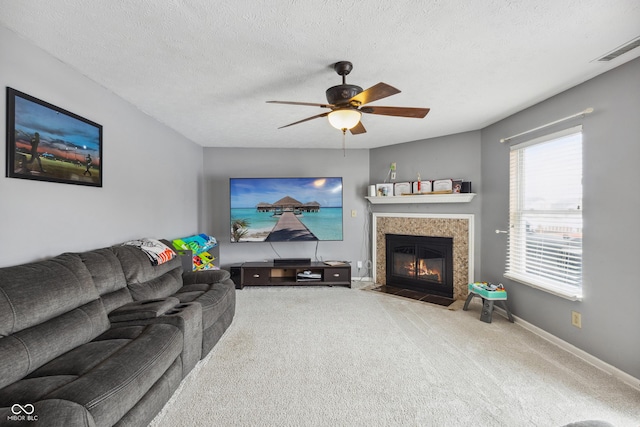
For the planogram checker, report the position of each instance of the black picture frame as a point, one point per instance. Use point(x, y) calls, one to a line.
point(48, 143)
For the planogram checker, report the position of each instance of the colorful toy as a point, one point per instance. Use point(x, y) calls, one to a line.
point(489, 293)
point(203, 261)
point(199, 245)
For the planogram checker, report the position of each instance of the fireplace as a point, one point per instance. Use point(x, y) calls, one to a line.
point(420, 263)
point(459, 227)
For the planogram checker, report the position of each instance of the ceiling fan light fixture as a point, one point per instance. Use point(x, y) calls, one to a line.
point(347, 103)
point(345, 118)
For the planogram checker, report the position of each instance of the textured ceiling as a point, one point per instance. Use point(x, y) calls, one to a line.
point(205, 68)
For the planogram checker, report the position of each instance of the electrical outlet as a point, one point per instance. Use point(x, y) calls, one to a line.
point(576, 319)
point(393, 175)
point(359, 264)
point(354, 213)
point(393, 166)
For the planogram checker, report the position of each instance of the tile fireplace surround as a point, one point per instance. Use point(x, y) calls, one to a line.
point(457, 226)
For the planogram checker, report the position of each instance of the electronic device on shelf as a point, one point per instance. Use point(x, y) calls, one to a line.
point(309, 275)
point(289, 261)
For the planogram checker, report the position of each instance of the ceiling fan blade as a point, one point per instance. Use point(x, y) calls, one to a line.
point(306, 120)
point(375, 92)
point(417, 113)
point(358, 129)
point(310, 104)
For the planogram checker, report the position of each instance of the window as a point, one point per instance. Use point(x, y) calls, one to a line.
point(545, 213)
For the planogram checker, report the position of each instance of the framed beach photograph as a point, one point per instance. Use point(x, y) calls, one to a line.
point(47, 143)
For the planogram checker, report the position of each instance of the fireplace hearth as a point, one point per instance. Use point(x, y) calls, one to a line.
point(422, 264)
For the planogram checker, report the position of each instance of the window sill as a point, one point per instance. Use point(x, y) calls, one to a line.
point(570, 294)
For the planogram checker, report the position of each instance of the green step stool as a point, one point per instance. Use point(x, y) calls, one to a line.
point(488, 299)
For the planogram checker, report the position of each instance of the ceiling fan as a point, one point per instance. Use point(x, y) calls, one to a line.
point(348, 102)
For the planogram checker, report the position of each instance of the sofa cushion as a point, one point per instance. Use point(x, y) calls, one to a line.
point(34, 293)
point(151, 404)
point(27, 350)
point(108, 277)
point(107, 376)
point(146, 281)
point(139, 310)
point(46, 309)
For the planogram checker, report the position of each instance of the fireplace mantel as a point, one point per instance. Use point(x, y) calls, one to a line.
point(423, 198)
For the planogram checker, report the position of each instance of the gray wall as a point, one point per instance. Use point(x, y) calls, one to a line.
point(453, 156)
point(610, 312)
point(223, 163)
point(42, 219)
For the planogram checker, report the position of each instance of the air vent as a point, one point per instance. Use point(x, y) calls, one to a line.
point(620, 50)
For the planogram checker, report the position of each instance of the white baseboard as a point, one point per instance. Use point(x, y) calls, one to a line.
point(603, 366)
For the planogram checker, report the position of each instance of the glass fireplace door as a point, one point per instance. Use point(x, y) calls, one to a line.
point(430, 265)
point(420, 263)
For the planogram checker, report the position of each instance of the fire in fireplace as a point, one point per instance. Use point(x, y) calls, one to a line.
point(420, 263)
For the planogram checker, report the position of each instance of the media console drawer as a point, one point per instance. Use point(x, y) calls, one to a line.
point(337, 274)
point(255, 276)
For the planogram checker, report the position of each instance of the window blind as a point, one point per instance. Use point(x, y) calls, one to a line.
point(545, 213)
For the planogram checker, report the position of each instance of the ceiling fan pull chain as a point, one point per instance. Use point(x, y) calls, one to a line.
point(344, 143)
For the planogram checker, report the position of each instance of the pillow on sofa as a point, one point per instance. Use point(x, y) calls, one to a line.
point(157, 252)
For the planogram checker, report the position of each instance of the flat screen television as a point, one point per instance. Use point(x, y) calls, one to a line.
point(286, 209)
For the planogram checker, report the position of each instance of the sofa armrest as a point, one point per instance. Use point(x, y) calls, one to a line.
point(147, 309)
point(205, 276)
point(185, 316)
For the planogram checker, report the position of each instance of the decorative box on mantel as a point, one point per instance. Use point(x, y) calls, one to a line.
point(423, 198)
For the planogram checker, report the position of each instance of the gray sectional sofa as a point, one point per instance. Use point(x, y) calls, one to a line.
point(103, 337)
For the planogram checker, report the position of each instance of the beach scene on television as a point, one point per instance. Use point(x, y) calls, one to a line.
point(285, 209)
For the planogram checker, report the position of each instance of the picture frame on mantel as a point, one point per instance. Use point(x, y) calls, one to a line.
point(48, 143)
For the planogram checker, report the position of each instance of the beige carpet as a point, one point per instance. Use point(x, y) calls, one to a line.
point(347, 357)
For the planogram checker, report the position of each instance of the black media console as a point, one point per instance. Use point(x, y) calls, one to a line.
point(292, 274)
